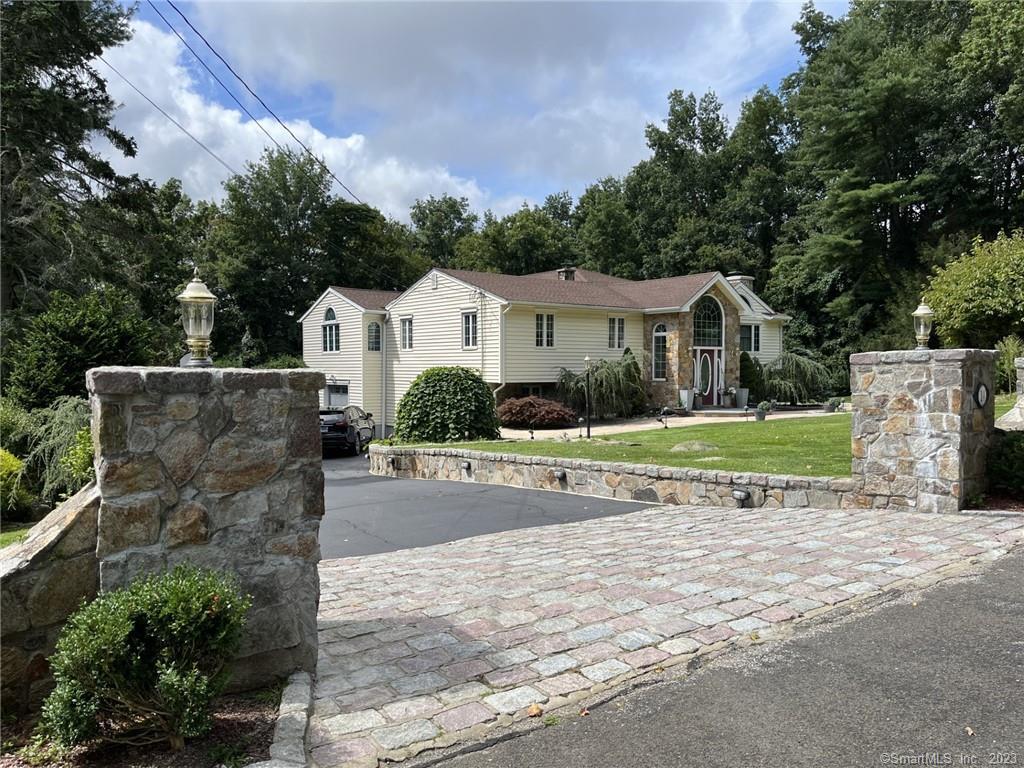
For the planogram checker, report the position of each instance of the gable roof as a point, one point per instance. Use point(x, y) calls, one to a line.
point(366, 298)
point(615, 293)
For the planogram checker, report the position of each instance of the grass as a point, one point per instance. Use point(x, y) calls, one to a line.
point(809, 446)
point(12, 533)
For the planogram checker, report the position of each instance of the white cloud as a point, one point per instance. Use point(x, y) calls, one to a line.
point(497, 102)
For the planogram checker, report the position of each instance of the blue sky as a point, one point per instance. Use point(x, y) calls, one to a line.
point(498, 102)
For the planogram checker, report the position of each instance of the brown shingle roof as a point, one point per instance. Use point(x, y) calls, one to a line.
point(367, 299)
point(582, 276)
point(545, 288)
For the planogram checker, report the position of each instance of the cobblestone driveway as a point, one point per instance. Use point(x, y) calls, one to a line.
point(430, 646)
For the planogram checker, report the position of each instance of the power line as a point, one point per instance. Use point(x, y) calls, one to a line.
point(160, 109)
point(214, 75)
point(263, 103)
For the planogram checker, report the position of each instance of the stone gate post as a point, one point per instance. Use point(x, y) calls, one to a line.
point(220, 468)
point(922, 426)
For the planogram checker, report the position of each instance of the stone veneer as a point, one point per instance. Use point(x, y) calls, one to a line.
point(919, 436)
point(1013, 420)
point(220, 468)
point(679, 350)
point(43, 579)
point(635, 482)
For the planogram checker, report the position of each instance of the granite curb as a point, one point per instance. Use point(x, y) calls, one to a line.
point(288, 749)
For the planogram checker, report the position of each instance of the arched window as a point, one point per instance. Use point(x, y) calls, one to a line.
point(707, 323)
point(373, 337)
point(329, 331)
point(659, 353)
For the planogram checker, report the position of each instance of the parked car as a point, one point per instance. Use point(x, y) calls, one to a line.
point(347, 429)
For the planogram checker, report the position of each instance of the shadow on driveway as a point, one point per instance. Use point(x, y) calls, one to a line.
point(367, 515)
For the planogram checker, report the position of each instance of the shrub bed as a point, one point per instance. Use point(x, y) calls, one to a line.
point(534, 412)
point(141, 665)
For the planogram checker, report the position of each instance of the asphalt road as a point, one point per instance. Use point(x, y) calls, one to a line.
point(900, 684)
point(367, 514)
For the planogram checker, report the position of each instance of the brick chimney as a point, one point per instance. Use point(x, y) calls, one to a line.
point(737, 279)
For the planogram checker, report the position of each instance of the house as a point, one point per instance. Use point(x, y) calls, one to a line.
point(520, 330)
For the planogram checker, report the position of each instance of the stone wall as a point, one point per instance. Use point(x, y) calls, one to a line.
point(1013, 420)
point(920, 438)
point(634, 482)
point(220, 468)
point(665, 393)
point(42, 581)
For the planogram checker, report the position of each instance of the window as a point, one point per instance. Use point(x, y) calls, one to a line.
point(330, 337)
point(707, 323)
point(468, 330)
point(545, 331)
point(750, 338)
point(373, 337)
point(616, 332)
point(532, 390)
point(406, 333)
point(659, 353)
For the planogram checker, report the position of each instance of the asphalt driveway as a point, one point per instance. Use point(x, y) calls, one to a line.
point(368, 515)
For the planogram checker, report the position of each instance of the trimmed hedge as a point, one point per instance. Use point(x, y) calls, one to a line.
point(539, 412)
point(1006, 463)
point(445, 404)
point(141, 665)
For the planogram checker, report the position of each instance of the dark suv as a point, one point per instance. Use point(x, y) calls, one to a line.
point(349, 429)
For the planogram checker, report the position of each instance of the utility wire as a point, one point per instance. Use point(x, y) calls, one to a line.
point(263, 103)
point(160, 109)
point(214, 75)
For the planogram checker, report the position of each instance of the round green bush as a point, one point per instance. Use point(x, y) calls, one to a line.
point(447, 404)
point(142, 664)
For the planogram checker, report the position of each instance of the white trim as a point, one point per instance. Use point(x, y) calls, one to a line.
point(475, 327)
point(617, 337)
point(401, 333)
point(654, 335)
point(337, 295)
point(718, 279)
point(545, 328)
point(693, 329)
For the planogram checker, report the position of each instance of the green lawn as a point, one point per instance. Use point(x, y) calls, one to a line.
point(811, 446)
point(12, 533)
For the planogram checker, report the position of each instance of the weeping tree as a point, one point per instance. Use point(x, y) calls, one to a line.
point(616, 387)
point(793, 377)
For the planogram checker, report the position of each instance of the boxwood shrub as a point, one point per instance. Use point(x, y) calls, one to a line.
point(527, 412)
point(141, 665)
point(445, 404)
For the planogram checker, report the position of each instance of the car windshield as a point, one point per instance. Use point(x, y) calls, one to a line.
point(353, 413)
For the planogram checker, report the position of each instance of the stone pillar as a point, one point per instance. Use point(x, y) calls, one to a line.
point(920, 438)
point(1013, 420)
point(220, 468)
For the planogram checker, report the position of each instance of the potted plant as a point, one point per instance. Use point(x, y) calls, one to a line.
point(762, 410)
point(834, 404)
point(698, 401)
point(742, 396)
point(729, 399)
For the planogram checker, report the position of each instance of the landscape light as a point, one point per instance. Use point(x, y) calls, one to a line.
point(197, 317)
point(923, 317)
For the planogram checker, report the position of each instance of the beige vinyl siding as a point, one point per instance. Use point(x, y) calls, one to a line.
point(347, 363)
point(436, 313)
point(771, 337)
point(578, 333)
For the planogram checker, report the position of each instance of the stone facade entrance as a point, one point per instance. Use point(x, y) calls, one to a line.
point(681, 355)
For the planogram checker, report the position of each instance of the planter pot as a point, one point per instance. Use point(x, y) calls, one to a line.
point(686, 399)
point(698, 402)
point(742, 395)
point(760, 415)
point(728, 401)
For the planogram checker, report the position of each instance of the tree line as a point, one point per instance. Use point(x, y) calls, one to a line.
point(895, 144)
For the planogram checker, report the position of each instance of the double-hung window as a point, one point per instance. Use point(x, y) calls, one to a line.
point(750, 338)
point(406, 333)
point(469, 330)
point(616, 333)
point(545, 331)
point(330, 335)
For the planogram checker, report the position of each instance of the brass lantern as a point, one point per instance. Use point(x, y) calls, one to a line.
point(197, 318)
point(923, 317)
